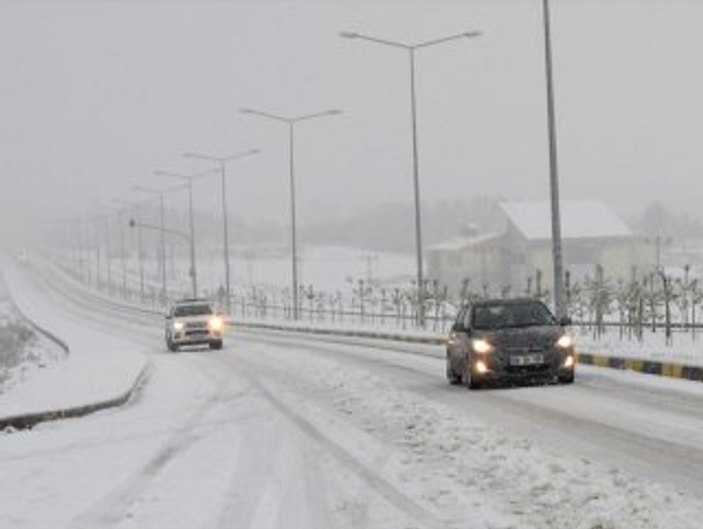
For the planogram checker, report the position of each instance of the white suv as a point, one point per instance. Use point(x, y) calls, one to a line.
point(193, 322)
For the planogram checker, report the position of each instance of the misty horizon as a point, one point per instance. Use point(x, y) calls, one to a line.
point(97, 97)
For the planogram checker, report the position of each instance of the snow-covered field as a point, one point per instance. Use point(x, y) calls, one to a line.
point(328, 269)
point(281, 431)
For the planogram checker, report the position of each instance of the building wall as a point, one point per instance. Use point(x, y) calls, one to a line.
point(483, 264)
point(446, 266)
point(617, 260)
point(511, 261)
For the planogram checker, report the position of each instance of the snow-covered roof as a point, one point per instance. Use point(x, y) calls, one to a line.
point(459, 242)
point(580, 219)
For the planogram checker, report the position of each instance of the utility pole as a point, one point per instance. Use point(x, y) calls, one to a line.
point(557, 257)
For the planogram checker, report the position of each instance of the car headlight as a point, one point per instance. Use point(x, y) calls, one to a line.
point(178, 325)
point(565, 341)
point(453, 339)
point(216, 323)
point(481, 346)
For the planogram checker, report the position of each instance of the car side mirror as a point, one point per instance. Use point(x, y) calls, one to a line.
point(565, 321)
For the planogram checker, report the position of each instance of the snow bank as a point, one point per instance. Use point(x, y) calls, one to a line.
point(100, 370)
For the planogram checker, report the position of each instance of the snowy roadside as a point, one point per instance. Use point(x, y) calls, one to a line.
point(684, 350)
point(23, 350)
point(96, 372)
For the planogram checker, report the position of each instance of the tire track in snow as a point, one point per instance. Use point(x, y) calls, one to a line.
point(113, 508)
point(266, 468)
point(636, 450)
point(376, 482)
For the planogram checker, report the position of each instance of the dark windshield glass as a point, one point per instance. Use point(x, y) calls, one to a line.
point(503, 315)
point(192, 310)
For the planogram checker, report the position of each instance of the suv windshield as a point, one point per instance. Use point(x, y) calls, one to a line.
point(504, 315)
point(192, 310)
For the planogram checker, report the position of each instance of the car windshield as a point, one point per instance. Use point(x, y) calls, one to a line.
point(506, 315)
point(192, 310)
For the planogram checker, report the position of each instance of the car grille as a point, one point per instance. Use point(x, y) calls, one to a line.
point(531, 369)
point(193, 325)
point(523, 349)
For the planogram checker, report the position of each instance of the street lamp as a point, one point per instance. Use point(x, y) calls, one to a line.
point(101, 221)
point(138, 224)
point(140, 246)
point(411, 48)
point(557, 257)
point(291, 123)
point(108, 265)
point(120, 205)
point(222, 162)
point(189, 179)
point(95, 222)
point(160, 193)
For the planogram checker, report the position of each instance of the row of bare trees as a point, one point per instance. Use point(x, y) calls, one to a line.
point(658, 301)
point(655, 302)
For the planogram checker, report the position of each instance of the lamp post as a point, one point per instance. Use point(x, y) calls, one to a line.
point(138, 224)
point(411, 49)
point(557, 257)
point(96, 234)
point(140, 247)
point(106, 221)
point(87, 261)
point(189, 179)
point(222, 163)
point(122, 205)
point(162, 252)
point(291, 122)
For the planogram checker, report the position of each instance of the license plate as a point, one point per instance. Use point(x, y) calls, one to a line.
point(526, 360)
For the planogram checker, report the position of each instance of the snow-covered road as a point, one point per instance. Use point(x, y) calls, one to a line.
point(281, 431)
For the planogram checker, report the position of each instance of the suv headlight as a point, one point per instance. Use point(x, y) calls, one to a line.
point(216, 323)
point(565, 341)
point(178, 325)
point(481, 346)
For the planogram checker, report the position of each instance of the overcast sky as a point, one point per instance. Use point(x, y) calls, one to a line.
point(95, 96)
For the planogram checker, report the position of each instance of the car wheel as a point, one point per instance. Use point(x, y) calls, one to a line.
point(216, 345)
point(452, 377)
point(567, 379)
point(468, 379)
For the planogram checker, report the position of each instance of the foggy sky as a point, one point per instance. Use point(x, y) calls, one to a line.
point(95, 96)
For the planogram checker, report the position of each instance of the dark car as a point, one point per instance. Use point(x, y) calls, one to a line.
point(509, 339)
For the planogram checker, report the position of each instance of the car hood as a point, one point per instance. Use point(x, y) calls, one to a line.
point(521, 338)
point(193, 319)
